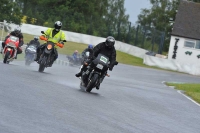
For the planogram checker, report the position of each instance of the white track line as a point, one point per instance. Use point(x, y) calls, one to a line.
point(163, 82)
point(188, 98)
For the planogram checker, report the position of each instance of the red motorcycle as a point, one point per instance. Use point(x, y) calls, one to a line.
point(10, 50)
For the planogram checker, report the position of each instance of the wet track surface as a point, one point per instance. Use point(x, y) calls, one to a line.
point(132, 100)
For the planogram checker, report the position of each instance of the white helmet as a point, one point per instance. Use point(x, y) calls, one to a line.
point(36, 38)
point(17, 30)
point(110, 42)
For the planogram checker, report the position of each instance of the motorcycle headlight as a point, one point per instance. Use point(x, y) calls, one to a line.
point(49, 46)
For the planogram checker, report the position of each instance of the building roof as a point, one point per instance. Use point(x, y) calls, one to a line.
point(187, 22)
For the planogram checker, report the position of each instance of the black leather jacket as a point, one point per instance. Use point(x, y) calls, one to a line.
point(109, 52)
point(36, 43)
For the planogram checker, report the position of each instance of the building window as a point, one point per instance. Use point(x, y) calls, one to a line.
point(192, 44)
point(189, 43)
point(197, 45)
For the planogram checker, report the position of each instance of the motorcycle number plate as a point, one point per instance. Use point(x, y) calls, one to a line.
point(100, 66)
point(103, 59)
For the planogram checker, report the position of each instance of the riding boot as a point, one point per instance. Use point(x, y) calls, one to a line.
point(80, 73)
point(98, 86)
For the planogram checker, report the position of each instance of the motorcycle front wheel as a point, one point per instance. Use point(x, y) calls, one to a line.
point(92, 83)
point(6, 57)
point(27, 62)
point(41, 68)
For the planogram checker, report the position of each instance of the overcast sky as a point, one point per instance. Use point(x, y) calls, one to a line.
point(133, 8)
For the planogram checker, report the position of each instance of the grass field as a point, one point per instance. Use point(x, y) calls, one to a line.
point(192, 90)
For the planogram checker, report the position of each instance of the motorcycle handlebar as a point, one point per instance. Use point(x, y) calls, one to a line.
point(46, 39)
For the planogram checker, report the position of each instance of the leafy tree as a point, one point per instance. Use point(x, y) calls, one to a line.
point(95, 17)
point(158, 17)
point(10, 11)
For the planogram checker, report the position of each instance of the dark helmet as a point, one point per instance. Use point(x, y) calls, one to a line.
point(90, 46)
point(110, 42)
point(17, 30)
point(36, 38)
point(57, 25)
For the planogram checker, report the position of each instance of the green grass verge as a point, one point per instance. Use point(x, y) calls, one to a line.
point(192, 90)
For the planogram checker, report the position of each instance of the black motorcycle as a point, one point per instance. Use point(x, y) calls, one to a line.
point(30, 54)
point(94, 74)
point(47, 57)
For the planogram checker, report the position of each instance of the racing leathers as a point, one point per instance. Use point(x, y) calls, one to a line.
point(21, 42)
point(33, 42)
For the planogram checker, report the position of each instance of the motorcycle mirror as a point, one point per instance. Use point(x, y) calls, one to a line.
point(42, 32)
point(64, 41)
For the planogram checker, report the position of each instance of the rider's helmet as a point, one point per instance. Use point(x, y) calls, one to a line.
point(17, 30)
point(57, 25)
point(36, 38)
point(110, 42)
point(90, 46)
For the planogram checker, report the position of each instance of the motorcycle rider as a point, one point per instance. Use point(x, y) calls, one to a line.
point(17, 33)
point(75, 55)
point(35, 41)
point(106, 48)
point(54, 35)
point(88, 49)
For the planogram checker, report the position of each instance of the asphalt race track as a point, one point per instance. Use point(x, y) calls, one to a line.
point(132, 100)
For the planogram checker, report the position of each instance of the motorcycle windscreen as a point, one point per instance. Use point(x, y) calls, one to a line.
point(32, 49)
point(14, 39)
point(101, 59)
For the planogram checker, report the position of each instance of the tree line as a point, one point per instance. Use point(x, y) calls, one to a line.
point(94, 17)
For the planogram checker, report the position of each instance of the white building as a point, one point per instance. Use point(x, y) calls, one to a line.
point(187, 30)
